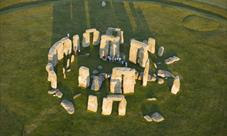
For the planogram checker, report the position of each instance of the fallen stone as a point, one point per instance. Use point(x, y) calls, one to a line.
point(157, 117)
point(176, 85)
point(68, 106)
point(151, 78)
point(103, 3)
point(76, 96)
point(160, 81)
point(147, 118)
point(58, 94)
point(52, 91)
point(151, 99)
point(164, 73)
point(171, 60)
point(92, 103)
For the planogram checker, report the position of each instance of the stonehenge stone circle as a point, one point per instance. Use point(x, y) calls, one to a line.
point(92, 103)
point(176, 85)
point(87, 40)
point(68, 106)
point(84, 77)
point(122, 77)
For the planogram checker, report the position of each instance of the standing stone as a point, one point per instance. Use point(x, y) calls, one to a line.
point(92, 103)
point(84, 77)
point(160, 51)
point(146, 73)
point(76, 43)
point(107, 106)
point(151, 45)
point(122, 107)
point(103, 3)
point(68, 106)
point(72, 58)
point(97, 83)
point(63, 72)
point(176, 85)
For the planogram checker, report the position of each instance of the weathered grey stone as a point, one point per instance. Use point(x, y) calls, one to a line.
point(157, 117)
point(95, 71)
point(103, 3)
point(146, 73)
point(58, 93)
point(171, 60)
point(76, 43)
point(100, 67)
point(68, 106)
point(147, 118)
point(164, 73)
point(176, 85)
point(160, 51)
point(92, 103)
point(84, 77)
point(97, 83)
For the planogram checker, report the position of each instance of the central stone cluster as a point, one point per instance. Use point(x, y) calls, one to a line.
point(122, 79)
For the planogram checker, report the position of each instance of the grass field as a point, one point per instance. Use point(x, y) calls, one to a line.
point(196, 33)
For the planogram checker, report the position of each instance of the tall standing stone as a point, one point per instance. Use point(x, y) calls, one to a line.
point(84, 77)
point(146, 73)
point(92, 103)
point(107, 106)
point(151, 45)
point(122, 107)
point(160, 51)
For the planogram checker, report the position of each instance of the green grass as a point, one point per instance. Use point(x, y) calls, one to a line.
point(27, 34)
point(198, 23)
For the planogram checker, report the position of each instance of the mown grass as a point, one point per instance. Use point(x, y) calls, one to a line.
point(27, 34)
